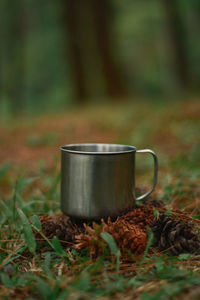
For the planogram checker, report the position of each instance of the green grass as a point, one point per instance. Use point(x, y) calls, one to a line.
point(31, 271)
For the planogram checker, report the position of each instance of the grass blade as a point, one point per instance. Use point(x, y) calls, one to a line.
point(36, 222)
point(111, 242)
point(113, 247)
point(4, 168)
point(29, 236)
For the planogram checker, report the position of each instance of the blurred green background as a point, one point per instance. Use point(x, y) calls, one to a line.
point(55, 54)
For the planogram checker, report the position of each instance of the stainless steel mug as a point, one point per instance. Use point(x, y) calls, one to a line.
point(98, 180)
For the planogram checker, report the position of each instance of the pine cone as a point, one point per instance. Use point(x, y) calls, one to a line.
point(174, 235)
point(128, 236)
point(91, 239)
point(142, 216)
point(154, 203)
point(59, 226)
point(149, 200)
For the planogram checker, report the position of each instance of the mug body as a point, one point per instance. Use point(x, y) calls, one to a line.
point(97, 180)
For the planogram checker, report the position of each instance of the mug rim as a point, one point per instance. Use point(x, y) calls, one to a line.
point(127, 148)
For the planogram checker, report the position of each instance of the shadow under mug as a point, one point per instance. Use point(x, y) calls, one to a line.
point(98, 180)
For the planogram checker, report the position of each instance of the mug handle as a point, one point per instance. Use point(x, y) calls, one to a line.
point(155, 172)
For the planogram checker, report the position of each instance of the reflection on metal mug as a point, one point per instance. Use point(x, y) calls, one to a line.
point(98, 180)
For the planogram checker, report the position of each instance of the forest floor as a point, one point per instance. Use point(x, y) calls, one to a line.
point(30, 178)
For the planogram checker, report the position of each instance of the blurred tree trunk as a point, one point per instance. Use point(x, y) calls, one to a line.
point(103, 18)
point(178, 45)
point(72, 23)
point(13, 53)
point(88, 40)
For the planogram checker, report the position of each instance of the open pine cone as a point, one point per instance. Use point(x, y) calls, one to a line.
point(60, 226)
point(142, 216)
point(131, 237)
point(91, 239)
point(175, 236)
